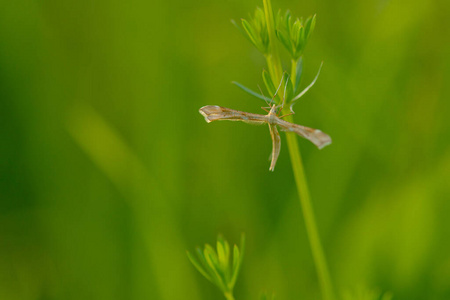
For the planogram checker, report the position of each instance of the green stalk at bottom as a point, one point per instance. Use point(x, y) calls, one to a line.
point(274, 64)
point(229, 296)
point(308, 214)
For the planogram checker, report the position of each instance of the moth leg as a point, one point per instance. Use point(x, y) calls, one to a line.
point(265, 109)
point(276, 143)
point(287, 115)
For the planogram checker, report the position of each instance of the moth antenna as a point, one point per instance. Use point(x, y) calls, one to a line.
point(291, 108)
point(281, 82)
point(265, 99)
point(285, 88)
point(281, 117)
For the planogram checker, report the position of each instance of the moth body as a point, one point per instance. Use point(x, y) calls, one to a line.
point(218, 113)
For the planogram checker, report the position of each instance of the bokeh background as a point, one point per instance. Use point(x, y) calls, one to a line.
point(108, 174)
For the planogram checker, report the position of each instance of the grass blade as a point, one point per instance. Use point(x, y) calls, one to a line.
point(306, 89)
point(251, 92)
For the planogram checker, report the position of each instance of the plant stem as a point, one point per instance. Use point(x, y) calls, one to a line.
point(229, 296)
point(308, 215)
point(294, 63)
point(297, 164)
point(273, 58)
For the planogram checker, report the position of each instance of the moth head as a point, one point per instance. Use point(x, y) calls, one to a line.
point(274, 109)
point(277, 108)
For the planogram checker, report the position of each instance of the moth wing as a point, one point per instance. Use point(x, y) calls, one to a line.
point(315, 136)
point(218, 113)
point(276, 145)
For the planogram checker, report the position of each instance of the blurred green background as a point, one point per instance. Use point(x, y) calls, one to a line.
point(108, 173)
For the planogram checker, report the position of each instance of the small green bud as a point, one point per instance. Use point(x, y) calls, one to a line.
point(217, 265)
point(294, 35)
point(255, 30)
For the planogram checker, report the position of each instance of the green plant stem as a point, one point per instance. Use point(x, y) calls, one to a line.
point(294, 63)
point(273, 58)
point(297, 164)
point(308, 215)
point(229, 296)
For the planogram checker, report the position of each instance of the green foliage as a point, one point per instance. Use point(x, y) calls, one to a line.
point(298, 71)
point(299, 95)
point(81, 221)
point(269, 83)
point(248, 90)
point(255, 30)
point(294, 35)
point(217, 266)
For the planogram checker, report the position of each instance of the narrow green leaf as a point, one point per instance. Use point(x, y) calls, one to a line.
point(201, 257)
point(250, 91)
point(284, 39)
point(237, 260)
point(209, 251)
point(260, 18)
point(244, 33)
point(309, 27)
point(236, 266)
point(277, 93)
point(226, 246)
point(220, 238)
point(207, 267)
point(220, 253)
point(293, 101)
point(264, 41)
point(295, 30)
point(251, 33)
point(288, 89)
point(269, 83)
point(300, 39)
point(287, 21)
point(213, 262)
point(198, 266)
point(211, 259)
point(298, 75)
point(278, 19)
point(223, 254)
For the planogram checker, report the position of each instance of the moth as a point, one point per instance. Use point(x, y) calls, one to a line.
point(218, 113)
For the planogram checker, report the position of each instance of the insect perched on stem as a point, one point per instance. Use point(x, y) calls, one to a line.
point(217, 113)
